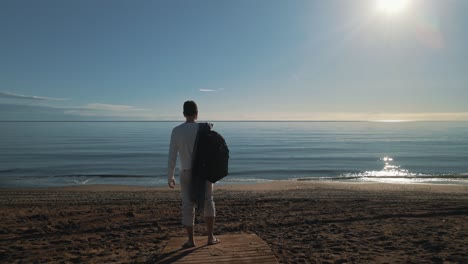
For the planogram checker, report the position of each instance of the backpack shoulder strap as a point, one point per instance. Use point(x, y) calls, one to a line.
point(202, 129)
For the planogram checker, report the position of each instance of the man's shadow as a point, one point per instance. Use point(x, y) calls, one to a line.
point(173, 256)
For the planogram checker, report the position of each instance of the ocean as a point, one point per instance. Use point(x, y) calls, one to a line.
point(53, 154)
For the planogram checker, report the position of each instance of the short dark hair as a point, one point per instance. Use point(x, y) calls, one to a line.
point(190, 108)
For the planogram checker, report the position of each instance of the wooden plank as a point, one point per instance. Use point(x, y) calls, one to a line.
point(236, 248)
point(256, 260)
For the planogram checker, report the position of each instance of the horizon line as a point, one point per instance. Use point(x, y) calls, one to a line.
point(227, 121)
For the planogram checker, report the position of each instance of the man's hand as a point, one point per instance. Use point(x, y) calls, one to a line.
point(171, 183)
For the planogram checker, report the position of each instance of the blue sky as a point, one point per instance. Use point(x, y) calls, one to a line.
point(239, 60)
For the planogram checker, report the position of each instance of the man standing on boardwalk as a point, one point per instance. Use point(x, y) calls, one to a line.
point(182, 142)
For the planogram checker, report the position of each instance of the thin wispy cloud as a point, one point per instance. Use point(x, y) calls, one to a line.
point(29, 97)
point(211, 90)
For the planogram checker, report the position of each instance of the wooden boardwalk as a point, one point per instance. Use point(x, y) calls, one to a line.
point(240, 248)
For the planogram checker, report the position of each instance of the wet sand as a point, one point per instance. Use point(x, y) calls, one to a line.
point(303, 222)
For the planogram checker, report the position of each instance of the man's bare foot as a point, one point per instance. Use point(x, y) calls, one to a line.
point(213, 241)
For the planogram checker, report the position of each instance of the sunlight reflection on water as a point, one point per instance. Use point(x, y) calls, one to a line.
point(389, 170)
point(390, 173)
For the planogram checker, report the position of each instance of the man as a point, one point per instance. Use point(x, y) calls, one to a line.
point(182, 143)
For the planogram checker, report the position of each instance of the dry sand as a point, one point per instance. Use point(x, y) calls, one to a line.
point(303, 222)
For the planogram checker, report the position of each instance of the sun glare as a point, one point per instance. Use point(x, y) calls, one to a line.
point(392, 6)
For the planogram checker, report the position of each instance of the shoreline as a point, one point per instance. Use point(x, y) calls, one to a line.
point(274, 185)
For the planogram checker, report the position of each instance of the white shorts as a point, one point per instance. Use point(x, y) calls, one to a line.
point(188, 207)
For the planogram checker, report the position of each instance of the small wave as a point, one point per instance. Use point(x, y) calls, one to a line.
point(91, 175)
point(103, 176)
point(337, 178)
point(403, 176)
point(82, 182)
point(286, 172)
point(245, 180)
point(8, 170)
point(388, 178)
point(405, 180)
point(383, 173)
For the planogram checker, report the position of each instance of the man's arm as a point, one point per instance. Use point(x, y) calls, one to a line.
point(171, 163)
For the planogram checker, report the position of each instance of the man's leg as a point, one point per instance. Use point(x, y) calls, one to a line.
point(210, 214)
point(188, 208)
point(190, 242)
point(210, 229)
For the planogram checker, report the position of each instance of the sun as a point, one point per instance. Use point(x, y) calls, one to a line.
point(392, 6)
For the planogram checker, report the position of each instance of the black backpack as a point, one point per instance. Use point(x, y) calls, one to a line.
point(211, 154)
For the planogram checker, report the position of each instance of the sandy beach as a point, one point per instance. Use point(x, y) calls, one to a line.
point(302, 222)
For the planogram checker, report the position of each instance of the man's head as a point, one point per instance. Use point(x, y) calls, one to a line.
point(190, 109)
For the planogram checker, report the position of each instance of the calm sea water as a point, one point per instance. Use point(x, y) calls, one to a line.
point(44, 154)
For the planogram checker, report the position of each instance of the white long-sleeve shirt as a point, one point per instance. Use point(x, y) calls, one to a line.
point(182, 142)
